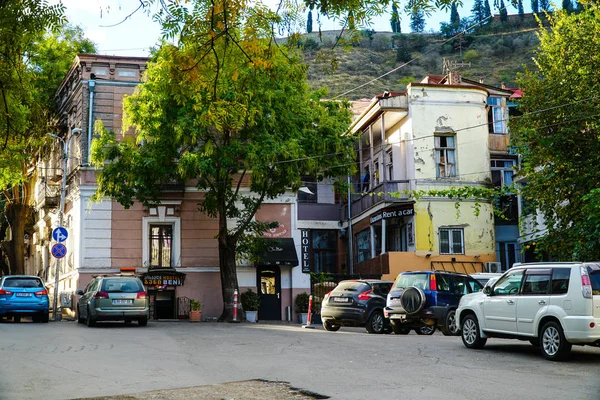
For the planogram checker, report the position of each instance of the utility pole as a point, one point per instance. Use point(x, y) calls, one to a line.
point(74, 133)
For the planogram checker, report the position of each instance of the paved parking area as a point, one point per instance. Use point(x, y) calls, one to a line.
point(66, 360)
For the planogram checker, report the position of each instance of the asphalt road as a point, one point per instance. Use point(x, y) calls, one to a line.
point(66, 360)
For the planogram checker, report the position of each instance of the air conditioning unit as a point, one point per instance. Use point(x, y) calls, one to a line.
point(494, 267)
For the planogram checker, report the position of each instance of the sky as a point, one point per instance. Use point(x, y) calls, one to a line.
point(135, 35)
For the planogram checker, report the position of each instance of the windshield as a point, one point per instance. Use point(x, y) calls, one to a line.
point(23, 283)
point(352, 286)
point(120, 285)
point(406, 280)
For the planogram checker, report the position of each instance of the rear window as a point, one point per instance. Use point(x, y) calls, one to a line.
point(595, 279)
point(122, 286)
point(23, 283)
point(351, 286)
point(407, 280)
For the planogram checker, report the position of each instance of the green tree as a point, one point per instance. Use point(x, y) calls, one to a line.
point(535, 6)
point(478, 11)
point(417, 20)
point(503, 12)
point(225, 108)
point(557, 136)
point(309, 27)
point(24, 114)
point(567, 5)
point(454, 17)
point(545, 5)
point(395, 20)
point(487, 11)
point(521, 9)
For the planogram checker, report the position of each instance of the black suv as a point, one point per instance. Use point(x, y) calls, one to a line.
point(427, 298)
point(356, 303)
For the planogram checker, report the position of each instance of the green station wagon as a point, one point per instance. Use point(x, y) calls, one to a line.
point(113, 298)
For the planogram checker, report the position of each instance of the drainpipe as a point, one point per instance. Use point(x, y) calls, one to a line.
point(350, 249)
point(92, 86)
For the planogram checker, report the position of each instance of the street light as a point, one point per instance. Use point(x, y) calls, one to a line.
point(74, 133)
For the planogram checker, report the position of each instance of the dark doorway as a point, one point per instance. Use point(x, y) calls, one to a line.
point(164, 304)
point(269, 288)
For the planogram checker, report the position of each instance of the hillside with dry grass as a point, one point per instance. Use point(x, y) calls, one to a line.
point(378, 61)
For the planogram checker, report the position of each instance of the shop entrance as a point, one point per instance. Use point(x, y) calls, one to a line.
point(269, 288)
point(163, 304)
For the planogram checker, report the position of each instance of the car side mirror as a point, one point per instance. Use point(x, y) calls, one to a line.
point(79, 292)
point(487, 290)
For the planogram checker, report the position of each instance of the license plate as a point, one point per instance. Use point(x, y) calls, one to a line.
point(23, 294)
point(122, 301)
point(340, 299)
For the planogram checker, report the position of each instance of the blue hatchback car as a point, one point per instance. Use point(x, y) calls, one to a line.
point(23, 296)
point(427, 298)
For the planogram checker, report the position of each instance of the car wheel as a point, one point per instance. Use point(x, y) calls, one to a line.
point(143, 321)
point(471, 336)
point(79, 318)
point(328, 326)
point(398, 328)
point(425, 330)
point(450, 327)
point(89, 320)
point(376, 322)
point(553, 344)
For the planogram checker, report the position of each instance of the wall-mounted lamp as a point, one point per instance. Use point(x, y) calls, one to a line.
point(305, 190)
point(427, 255)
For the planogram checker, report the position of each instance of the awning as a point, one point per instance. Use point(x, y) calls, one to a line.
point(280, 252)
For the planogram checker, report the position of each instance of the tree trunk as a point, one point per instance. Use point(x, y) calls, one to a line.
point(229, 281)
point(17, 218)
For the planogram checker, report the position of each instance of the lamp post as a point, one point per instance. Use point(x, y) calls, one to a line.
point(74, 133)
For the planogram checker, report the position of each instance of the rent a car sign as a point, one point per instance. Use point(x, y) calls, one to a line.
point(394, 213)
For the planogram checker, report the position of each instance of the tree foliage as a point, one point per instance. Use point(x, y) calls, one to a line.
point(395, 20)
point(558, 135)
point(227, 108)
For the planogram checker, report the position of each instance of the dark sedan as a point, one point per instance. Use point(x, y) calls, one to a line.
point(356, 303)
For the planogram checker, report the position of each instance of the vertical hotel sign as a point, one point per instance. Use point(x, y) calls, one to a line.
point(305, 249)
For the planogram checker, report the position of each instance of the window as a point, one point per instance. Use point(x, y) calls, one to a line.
point(451, 241)
point(161, 240)
point(442, 282)
point(536, 282)
point(509, 283)
point(496, 123)
point(363, 246)
point(324, 250)
point(445, 156)
point(308, 190)
point(560, 280)
point(390, 165)
point(502, 172)
point(376, 168)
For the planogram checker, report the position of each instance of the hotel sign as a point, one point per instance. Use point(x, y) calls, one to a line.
point(393, 213)
point(166, 278)
point(305, 250)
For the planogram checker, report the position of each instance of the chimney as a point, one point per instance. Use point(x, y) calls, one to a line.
point(454, 78)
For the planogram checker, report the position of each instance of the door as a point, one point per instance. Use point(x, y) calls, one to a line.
point(534, 299)
point(164, 306)
point(269, 288)
point(500, 308)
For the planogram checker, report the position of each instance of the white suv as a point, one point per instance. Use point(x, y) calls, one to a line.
point(553, 305)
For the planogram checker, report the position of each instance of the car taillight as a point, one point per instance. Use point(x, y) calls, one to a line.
point(586, 284)
point(142, 295)
point(101, 295)
point(6, 292)
point(41, 293)
point(364, 295)
point(432, 282)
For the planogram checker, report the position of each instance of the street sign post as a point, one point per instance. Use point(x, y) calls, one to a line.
point(60, 234)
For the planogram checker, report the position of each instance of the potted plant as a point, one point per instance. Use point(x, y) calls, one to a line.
point(195, 310)
point(250, 304)
point(301, 307)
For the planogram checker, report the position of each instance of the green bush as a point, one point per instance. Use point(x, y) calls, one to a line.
point(250, 300)
point(301, 303)
point(196, 305)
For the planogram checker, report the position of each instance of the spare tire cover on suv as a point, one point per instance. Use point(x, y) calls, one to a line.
point(412, 299)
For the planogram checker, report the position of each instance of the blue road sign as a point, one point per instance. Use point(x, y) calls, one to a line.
point(60, 234)
point(59, 250)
